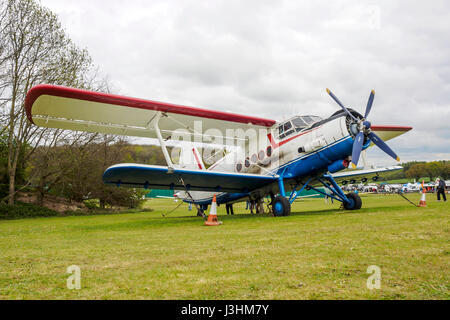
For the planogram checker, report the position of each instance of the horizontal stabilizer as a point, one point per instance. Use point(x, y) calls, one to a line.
point(389, 132)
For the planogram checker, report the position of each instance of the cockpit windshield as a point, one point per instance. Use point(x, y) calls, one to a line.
point(301, 122)
point(295, 125)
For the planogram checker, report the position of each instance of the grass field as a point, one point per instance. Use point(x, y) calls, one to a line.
point(319, 252)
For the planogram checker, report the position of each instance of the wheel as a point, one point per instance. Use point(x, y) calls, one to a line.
point(354, 203)
point(281, 206)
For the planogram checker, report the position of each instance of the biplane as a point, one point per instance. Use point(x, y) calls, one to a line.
point(303, 152)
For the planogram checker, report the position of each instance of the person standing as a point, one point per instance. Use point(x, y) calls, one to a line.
point(252, 206)
point(440, 185)
point(229, 208)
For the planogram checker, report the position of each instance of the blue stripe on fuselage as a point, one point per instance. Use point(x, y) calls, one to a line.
point(318, 160)
point(301, 166)
point(331, 145)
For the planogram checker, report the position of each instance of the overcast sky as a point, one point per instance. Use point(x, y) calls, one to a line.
point(275, 59)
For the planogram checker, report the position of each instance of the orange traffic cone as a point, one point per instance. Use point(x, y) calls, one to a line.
point(212, 218)
point(422, 202)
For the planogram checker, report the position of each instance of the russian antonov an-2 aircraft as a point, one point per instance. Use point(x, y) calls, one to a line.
point(302, 152)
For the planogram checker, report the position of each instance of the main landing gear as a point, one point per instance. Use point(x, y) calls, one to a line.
point(354, 202)
point(281, 206)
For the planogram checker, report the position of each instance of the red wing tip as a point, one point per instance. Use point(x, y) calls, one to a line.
point(35, 92)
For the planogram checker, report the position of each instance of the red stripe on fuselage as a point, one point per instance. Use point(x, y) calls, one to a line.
point(197, 159)
point(279, 144)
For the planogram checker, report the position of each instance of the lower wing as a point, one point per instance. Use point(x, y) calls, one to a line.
point(361, 175)
point(148, 176)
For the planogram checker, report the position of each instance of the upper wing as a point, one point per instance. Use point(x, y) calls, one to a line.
point(357, 175)
point(148, 176)
point(82, 110)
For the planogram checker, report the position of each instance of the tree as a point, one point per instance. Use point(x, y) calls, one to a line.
point(446, 170)
point(86, 179)
point(74, 168)
point(34, 49)
point(52, 162)
point(416, 171)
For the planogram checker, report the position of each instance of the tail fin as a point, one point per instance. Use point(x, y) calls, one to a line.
point(190, 158)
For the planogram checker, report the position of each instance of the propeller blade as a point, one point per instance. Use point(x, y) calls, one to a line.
point(382, 145)
point(340, 104)
point(357, 147)
point(369, 104)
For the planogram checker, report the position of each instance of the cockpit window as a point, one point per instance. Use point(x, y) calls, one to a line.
point(308, 119)
point(304, 121)
point(295, 125)
point(299, 124)
point(285, 129)
point(287, 126)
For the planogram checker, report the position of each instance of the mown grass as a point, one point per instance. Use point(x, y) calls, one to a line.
point(319, 252)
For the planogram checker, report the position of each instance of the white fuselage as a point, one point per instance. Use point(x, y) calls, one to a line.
point(278, 152)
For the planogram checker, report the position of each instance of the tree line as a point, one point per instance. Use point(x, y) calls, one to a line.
point(35, 49)
point(421, 169)
point(432, 170)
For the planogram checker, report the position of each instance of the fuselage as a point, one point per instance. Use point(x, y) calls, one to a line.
point(294, 150)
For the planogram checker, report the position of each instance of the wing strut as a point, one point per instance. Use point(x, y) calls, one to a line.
point(199, 210)
point(155, 124)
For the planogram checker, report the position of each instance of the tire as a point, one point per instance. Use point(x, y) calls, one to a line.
point(281, 207)
point(355, 202)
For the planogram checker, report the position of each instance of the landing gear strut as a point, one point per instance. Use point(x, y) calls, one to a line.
point(281, 205)
point(350, 201)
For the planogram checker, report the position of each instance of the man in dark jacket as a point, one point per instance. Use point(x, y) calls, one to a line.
point(440, 189)
point(229, 207)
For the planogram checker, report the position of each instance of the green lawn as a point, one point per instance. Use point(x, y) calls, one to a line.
point(318, 252)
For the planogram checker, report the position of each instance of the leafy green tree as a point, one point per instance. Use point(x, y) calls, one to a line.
point(446, 170)
point(74, 170)
point(432, 169)
point(416, 171)
point(34, 49)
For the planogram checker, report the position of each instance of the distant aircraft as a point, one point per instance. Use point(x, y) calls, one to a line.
point(174, 198)
point(303, 152)
point(411, 187)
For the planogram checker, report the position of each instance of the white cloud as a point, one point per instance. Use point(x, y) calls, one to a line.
point(273, 59)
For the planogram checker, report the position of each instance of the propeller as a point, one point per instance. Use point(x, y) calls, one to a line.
point(364, 131)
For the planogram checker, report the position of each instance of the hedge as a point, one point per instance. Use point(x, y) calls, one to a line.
point(24, 210)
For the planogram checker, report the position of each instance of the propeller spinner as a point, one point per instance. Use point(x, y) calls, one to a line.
point(363, 126)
